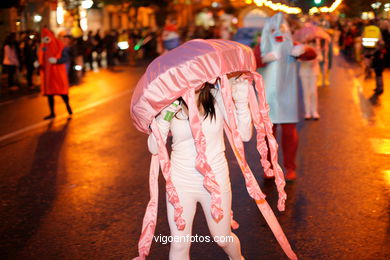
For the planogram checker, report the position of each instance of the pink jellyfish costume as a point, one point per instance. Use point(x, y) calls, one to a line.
point(179, 73)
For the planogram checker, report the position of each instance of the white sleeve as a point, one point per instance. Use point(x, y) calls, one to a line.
point(164, 127)
point(244, 120)
point(243, 116)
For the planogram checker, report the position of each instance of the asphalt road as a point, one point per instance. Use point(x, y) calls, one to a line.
point(77, 189)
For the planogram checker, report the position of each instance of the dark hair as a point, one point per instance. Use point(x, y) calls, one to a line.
point(206, 99)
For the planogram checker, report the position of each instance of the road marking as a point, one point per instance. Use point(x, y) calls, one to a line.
point(63, 116)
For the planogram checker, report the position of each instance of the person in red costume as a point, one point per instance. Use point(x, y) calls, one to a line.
point(54, 79)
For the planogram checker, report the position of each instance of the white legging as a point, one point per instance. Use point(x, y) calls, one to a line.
point(181, 250)
point(309, 86)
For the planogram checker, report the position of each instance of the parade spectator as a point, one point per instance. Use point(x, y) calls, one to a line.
point(385, 30)
point(10, 58)
point(378, 64)
point(54, 80)
point(371, 37)
point(30, 56)
point(98, 47)
point(170, 35)
point(110, 45)
point(308, 73)
point(88, 57)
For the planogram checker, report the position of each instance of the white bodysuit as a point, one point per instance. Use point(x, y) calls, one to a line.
point(189, 181)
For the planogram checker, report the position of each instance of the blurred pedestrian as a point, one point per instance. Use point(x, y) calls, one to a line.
point(98, 47)
point(308, 72)
point(371, 36)
point(170, 35)
point(30, 50)
point(110, 41)
point(54, 80)
point(11, 58)
point(378, 64)
point(88, 57)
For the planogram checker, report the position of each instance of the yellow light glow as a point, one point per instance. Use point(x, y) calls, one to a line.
point(380, 146)
point(277, 6)
point(326, 9)
point(60, 13)
point(386, 176)
point(248, 2)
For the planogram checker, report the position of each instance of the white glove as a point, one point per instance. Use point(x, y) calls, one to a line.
point(298, 50)
point(240, 89)
point(52, 60)
point(36, 64)
point(270, 56)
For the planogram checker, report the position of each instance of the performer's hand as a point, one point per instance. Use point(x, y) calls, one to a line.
point(298, 50)
point(52, 60)
point(270, 56)
point(240, 89)
point(168, 112)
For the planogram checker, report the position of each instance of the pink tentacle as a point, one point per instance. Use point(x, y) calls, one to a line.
point(150, 217)
point(265, 209)
point(236, 142)
point(165, 164)
point(262, 146)
point(201, 163)
point(264, 110)
point(234, 224)
point(273, 223)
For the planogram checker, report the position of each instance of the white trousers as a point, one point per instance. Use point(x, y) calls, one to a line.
point(181, 250)
point(310, 96)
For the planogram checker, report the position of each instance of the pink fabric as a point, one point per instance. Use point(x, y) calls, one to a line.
point(150, 218)
point(310, 31)
point(277, 171)
point(201, 164)
point(234, 224)
point(250, 181)
point(187, 66)
point(275, 227)
point(165, 164)
point(262, 146)
point(179, 73)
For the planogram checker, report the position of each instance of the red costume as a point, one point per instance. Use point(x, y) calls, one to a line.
point(54, 80)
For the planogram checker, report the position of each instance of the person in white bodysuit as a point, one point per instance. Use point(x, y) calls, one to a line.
point(187, 179)
point(308, 72)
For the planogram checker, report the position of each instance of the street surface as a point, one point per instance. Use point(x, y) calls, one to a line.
point(78, 189)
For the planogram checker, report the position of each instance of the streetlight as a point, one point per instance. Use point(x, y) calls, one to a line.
point(317, 2)
point(86, 4)
point(37, 18)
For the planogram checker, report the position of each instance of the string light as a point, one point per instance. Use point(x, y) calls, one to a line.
point(294, 10)
point(275, 6)
point(325, 9)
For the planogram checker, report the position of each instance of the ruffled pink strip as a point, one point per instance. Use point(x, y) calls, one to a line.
point(150, 218)
point(201, 164)
point(265, 209)
point(262, 146)
point(165, 164)
point(234, 224)
point(149, 221)
point(264, 109)
point(275, 227)
point(252, 185)
point(235, 139)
